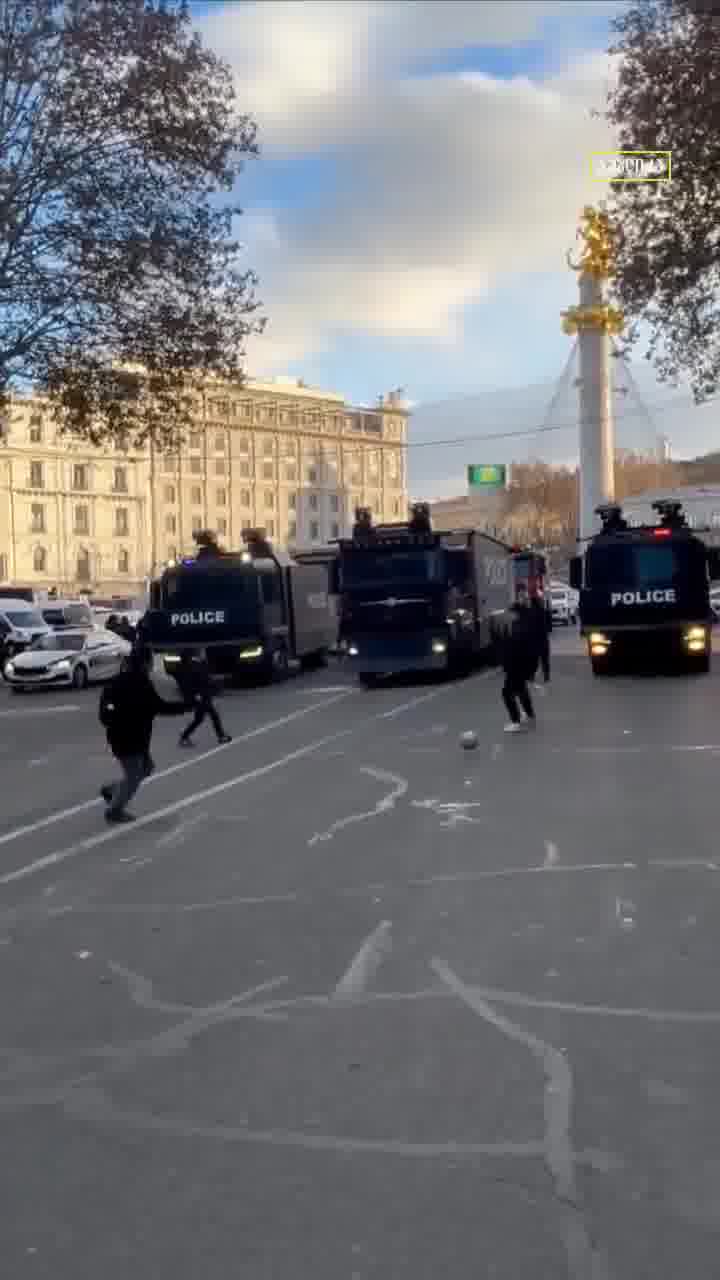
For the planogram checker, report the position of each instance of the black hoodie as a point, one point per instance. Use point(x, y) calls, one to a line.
point(520, 644)
point(128, 707)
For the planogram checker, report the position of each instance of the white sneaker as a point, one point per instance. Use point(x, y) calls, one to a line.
point(513, 728)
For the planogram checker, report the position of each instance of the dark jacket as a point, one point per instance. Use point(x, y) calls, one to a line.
point(128, 707)
point(542, 617)
point(519, 646)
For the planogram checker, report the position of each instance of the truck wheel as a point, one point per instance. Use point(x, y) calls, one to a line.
point(314, 661)
point(600, 666)
point(701, 665)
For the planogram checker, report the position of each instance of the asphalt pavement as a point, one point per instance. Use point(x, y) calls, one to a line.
point(348, 1002)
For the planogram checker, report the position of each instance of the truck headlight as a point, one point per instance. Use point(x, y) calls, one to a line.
point(352, 650)
point(171, 658)
point(439, 646)
point(254, 652)
point(696, 646)
point(695, 633)
point(597, 637)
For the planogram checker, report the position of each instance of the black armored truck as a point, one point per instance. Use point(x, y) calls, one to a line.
point(412, 599)
point(256, 612)
point(645, 592)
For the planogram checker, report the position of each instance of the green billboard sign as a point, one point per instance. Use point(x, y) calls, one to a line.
point(487, 479)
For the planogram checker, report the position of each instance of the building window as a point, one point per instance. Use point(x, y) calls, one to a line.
point(171, 524)
point(83, 566)
point(244, 469)
point(123, 561)
point(169, 493)
point(37, 478)
point(196, 466)
point(219, 466)
point(196, 524)
point(314, 530)
point(244, 497)
point(39, 560)
point(222, 525)
point(396, 506)
point(268, 470)
point(220, 443)
point(221, 497)
point(3, 567)
point(292, 501)
point(80, 476)
point(196, 495)
point(120, 484)
point(312, 475)
point(269, 499)
point(314, 502)
point(270, 528)
point(195, 439)
point(121, 522)
point(82, 520)
point(269, 448)
point(292, 530)
point(36, 431)
point(37, 522)
point(334, 502)
point(335, 529)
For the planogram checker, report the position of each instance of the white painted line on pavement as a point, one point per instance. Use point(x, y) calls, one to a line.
point(365, 965)
point(52, 859)
point(524, 1001)
point(61, 814)
point(180, 833)
point(46, 711)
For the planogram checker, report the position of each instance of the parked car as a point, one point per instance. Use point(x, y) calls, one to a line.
point(564, 610)
point(70, 657)
point(67, 613)
point(20, 624)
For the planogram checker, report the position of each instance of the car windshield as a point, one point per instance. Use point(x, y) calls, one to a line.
point(383, 568)
point(26, 618)
point(644, 568)
point(55, 642)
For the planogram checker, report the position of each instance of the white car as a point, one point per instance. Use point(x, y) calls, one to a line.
point(76, 658)
point(564, 609)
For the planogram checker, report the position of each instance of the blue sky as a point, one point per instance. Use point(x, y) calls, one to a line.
point(423, 165)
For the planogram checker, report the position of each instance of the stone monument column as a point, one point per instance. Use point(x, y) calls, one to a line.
point(594, 321)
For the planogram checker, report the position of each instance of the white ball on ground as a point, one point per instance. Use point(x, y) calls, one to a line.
point(468, 740)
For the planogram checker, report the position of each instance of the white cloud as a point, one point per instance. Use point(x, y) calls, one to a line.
point(446, 186)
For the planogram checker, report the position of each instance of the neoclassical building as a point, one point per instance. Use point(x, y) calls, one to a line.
point(290, 458)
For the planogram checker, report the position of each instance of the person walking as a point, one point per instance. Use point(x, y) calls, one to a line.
point(128, 707)
point(542, 618)
point(195, 682)
point(519, 657)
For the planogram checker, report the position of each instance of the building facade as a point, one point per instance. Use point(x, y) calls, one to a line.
point(278, 455)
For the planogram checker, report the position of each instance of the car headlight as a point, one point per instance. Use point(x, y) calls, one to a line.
point(9, 668)
point(62, 665)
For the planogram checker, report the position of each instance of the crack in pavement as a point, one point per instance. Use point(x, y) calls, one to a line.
point(585, 1261)
point(399, 788)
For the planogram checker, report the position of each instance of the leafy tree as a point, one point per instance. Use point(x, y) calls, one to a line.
point(121, 286)
point(668, 251)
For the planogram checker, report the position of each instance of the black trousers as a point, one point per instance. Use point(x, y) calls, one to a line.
point(543, 661)
point(515, 691)
point(204, 709)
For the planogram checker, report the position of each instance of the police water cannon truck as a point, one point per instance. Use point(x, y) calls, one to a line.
point(416, 600)
point(256, 612)
point(645, 591)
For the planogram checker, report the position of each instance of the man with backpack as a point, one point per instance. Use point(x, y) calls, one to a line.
point(128, 707)
point(195, 684)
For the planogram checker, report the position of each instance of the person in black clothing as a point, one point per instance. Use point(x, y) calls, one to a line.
point(543, 623)
point(519, 658)
point(128, 706)
point(126, 629)
point(195, 684)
